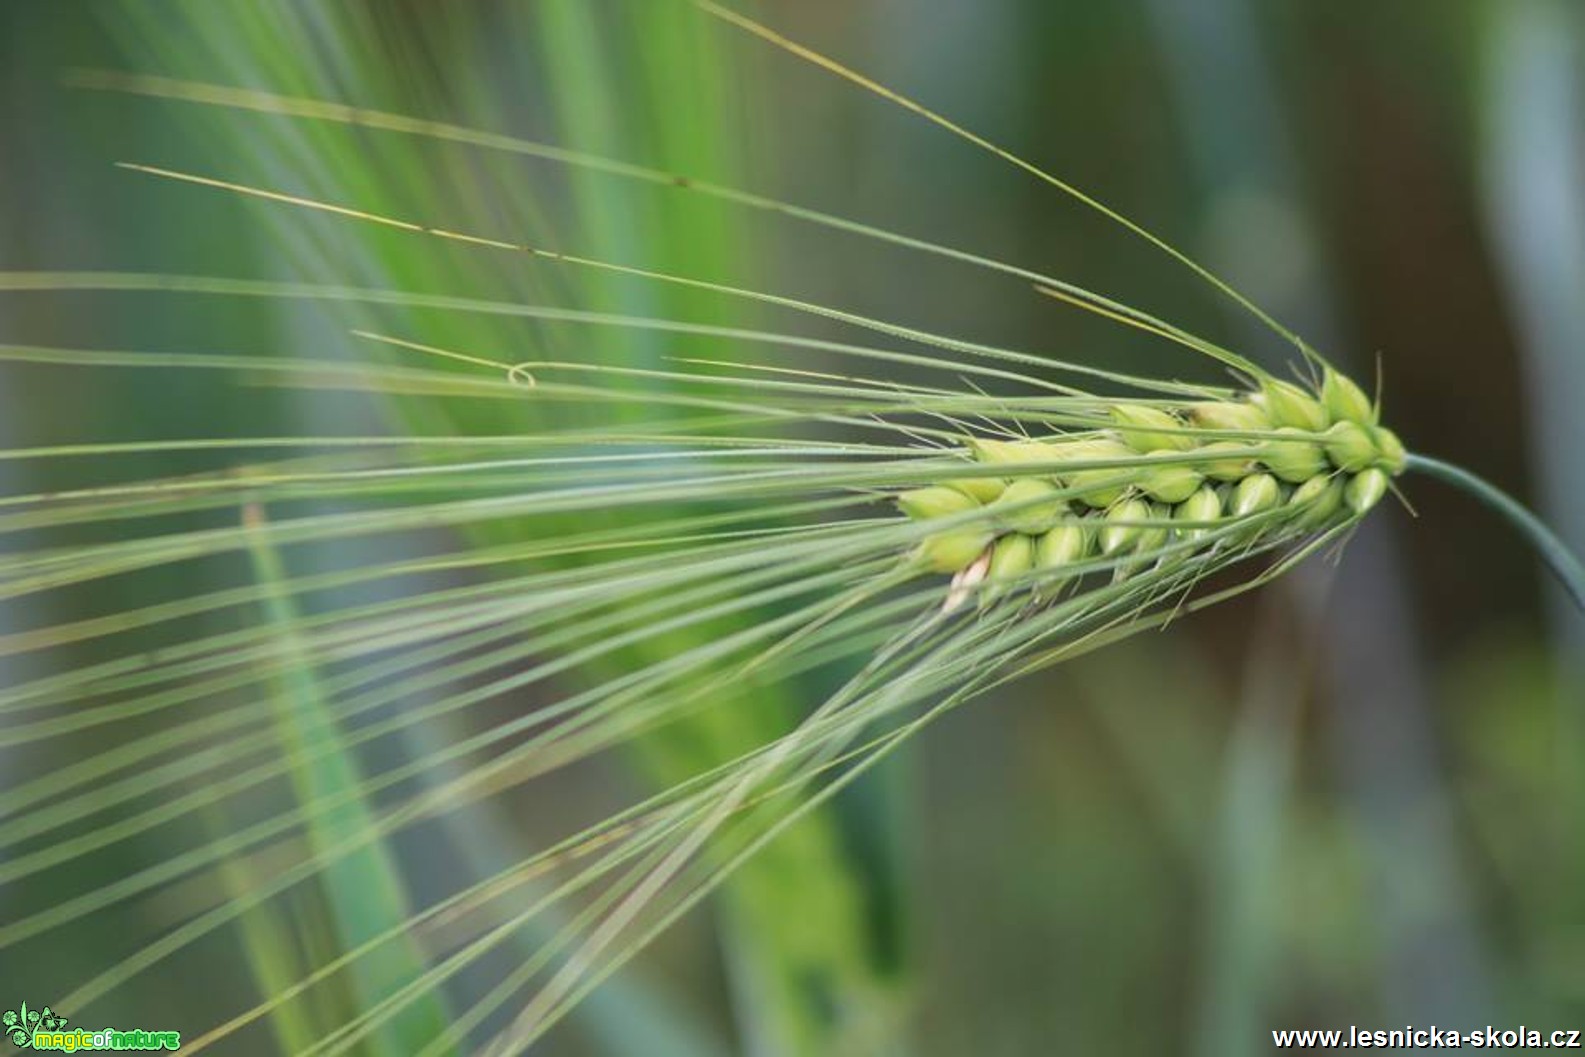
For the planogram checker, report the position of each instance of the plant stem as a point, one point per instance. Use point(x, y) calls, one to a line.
point(1564, 565)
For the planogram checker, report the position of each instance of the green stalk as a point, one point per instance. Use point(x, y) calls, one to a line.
point(1559, 559)
point(364, 894)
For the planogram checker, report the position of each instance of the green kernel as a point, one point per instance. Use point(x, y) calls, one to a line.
point(951, 552)
point(1121, 532)
point(1289, 405)
point(1154, 537)
point(1013, 556)
point(1172, 483)
point(1239, 464)
point(1234, 416)
point(1145, 428)
point(1204, 505)
point(1151, 539)
point(1254, 495)
point(1015, 452)
point(1366, 489)
point(1025, 513)
point(1088, 483)
point(1316, 501)
point(1063, 546)
point(1295, 460)
point(1345, 401)
point(1393, 456)
point(935, 501)
point(1349, 446)
point(980, 489)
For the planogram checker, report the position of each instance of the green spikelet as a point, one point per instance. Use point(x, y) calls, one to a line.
point(1144, 540)
point(1289, 405)
point(1172, 483)
point(1255, 494)
point(1366, 490)
point(1239, 416)
point(1015, 452)
point(936, 501)
point(1030, 510)
point(983, 490)
point(1145, 429)
point(1205, 505)
point(1120, 531)
point(951, 552)
point(1294, 458)
point(1063, 546)
point(1098, 487)
point(1350, 446)
point(1345, 401)
point(1316, 502)
point(1154, 537)
point(1238, 464)
point(1393, 456)
point(1013, 557)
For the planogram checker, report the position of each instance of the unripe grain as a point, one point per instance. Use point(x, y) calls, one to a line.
point(1203, 506)
point(1238, 465)
point(1345, 401)
point(1013, 556)
point(1151, 538)
point(1296, 460)
point(1145, 428)
point(1064, 545)
point(1303, 462)
point(1154, 537)
point(1393, 456)
point(1121, 529)
point(1231, 415)
point(1316, 501)
point(1349, 446)
point(1014, 452)
point(935, 501)
point(1025, 512)
point(1088, 483)
point(1289, 405)
point(980, 489)
point(1254, 495)
point(1366, 489)
point(1172, 483)
point(950, 552)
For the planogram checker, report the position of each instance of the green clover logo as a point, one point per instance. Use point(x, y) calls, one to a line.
point(19, 1025)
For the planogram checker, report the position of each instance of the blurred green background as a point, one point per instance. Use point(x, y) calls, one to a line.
point(1355, 798)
